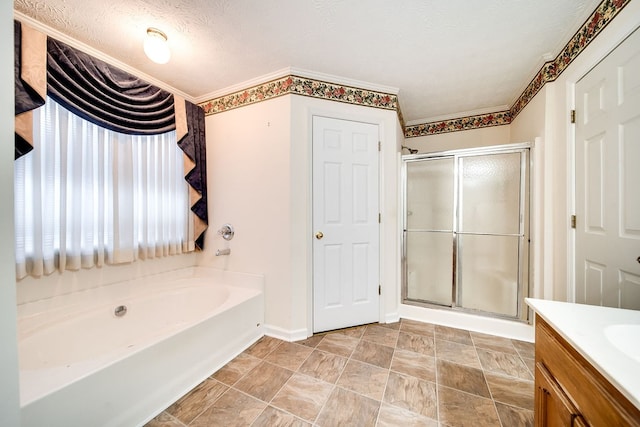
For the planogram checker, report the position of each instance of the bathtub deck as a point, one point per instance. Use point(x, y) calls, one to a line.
point(127, 391)
point(369, 375)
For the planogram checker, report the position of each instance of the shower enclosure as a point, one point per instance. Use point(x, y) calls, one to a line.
point(466, 230)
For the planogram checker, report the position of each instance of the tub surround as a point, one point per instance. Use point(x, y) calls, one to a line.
point(31, 289)
point(122, 370)
point(606, 337)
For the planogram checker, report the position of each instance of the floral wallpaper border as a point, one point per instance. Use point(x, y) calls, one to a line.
point(463, 123)
point(301, 86)
point(549, 72)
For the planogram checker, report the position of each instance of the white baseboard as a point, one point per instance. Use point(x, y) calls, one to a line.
point(285, 334)
point(488, 325)
point(392, 318)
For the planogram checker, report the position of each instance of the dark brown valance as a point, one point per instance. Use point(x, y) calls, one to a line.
point(105, 95)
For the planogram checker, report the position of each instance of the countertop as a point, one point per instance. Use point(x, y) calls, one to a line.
point(594, 332)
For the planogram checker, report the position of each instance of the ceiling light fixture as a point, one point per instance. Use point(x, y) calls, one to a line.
point(156, 46)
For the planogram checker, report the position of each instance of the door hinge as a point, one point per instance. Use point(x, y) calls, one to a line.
point(573, 221)
point(379, 289)
point(379, 218)
point(379, 145)
point(573, 116)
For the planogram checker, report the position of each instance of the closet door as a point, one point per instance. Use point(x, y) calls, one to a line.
point(346, 241)
point(429, 230)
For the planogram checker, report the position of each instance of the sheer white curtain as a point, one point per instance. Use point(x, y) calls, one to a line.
point(86, 196)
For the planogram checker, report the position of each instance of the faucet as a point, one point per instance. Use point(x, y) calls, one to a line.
point(227, 231)
point(223, 252)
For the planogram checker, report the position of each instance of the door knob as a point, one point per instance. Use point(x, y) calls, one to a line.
point(638, 259)
point(319, 235)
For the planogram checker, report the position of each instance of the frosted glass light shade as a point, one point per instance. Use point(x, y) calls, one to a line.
point(156, 46)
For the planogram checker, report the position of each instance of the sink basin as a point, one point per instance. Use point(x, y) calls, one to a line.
point(625, 338)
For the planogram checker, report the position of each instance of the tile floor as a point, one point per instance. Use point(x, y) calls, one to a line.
point(403, 374)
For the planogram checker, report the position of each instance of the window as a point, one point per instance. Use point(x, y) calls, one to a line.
point(87, 196)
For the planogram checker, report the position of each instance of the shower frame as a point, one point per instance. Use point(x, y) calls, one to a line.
point(524, 270)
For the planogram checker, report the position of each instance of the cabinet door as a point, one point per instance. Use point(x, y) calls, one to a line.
point(579, 421)
point(554, 409)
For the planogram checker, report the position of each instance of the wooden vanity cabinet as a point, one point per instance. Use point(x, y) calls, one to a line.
point(570, 391)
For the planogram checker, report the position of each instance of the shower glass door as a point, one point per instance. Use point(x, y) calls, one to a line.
point(465, 230)
point(489, 232)
point(429, 224)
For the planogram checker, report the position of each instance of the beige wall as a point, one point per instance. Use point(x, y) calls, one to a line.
point(530, 125)
point(547, 117)
point(248, 174)
point(9, 396)
point(259, 177)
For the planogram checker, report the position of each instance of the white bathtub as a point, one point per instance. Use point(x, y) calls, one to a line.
point(81, 365)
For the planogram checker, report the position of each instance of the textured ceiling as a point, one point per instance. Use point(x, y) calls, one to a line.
point(445, 57)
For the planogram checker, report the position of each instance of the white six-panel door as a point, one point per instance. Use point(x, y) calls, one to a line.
point(345, 224)
point(607, 264)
